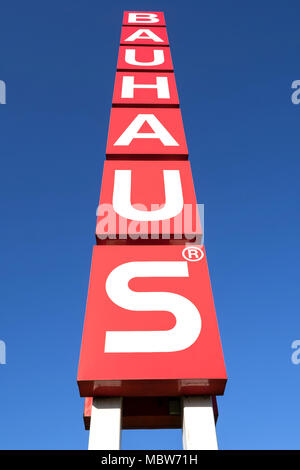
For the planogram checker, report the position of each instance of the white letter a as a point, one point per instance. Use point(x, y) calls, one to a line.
point(132, 131)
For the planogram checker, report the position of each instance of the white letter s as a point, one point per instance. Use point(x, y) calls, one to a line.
point(188, 320)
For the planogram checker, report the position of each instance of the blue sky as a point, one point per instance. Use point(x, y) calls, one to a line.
point(234, 64)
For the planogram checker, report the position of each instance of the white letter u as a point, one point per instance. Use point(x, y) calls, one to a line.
point(122, 197)
point(158, 58)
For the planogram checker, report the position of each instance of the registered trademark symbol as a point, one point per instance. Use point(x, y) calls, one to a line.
point(192, 253)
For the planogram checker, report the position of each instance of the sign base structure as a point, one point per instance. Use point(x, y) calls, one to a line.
point(106, 417)
point(147, 412)
point(198, 429)
point(105, 427)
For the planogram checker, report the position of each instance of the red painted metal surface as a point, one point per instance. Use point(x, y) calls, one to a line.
point(143, 36)
point(145, 89)
point(145, 59)
point(192, 366)
point(146, 133)
point(148, 18)
point(148, 190)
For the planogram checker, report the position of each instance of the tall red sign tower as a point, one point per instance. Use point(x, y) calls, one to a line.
point(151, 354)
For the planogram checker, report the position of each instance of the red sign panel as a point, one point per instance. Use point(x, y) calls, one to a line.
point(145, 89)
point(146, 133)
point(150, 201)
point(143, 35)
point(150, 326)
point(145, 59)
point(144, 18)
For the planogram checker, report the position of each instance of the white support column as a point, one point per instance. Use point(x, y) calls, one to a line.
point(105, 428)
point(198, 428)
